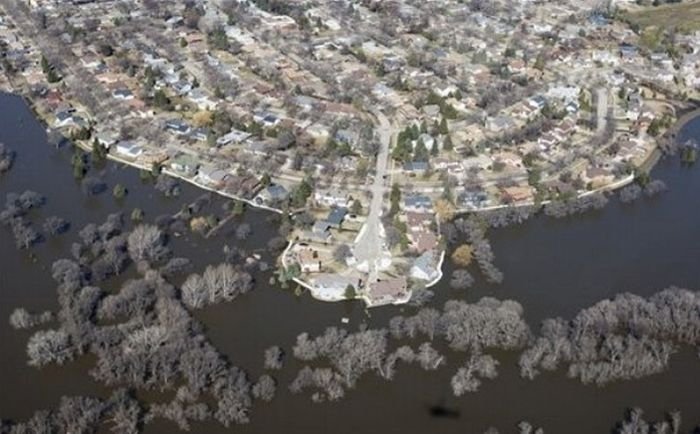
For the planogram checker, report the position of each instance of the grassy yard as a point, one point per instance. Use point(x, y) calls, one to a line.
point(685, 16)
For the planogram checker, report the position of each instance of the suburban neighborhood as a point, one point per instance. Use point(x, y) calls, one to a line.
point(369, 122)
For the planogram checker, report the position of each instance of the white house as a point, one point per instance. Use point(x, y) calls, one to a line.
point(332, 287)
point(332, 198)
point(201, 99)
point(233, 136)
point(106, 138)
point(123, 94)
point(426, 266)
point(129, 149)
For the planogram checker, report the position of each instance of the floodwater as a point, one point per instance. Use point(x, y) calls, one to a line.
point(552, 267)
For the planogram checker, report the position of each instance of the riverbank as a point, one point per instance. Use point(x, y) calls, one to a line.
point(681, 122)
point(650, 160)
point(553, 268)
point(87, 148)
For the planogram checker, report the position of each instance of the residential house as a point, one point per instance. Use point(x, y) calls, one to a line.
point(416, 167)
point(200, 134)
point(185, 164)
point(212, 176)
point(332, 198)
point(234, 136)
point(597, 177)
point(267, 119)
point(123, 94)
point(272, 194)
point(516, 194)
point(106, 138)
point(129, 149)
point(419, 220)
point(473, 199)
point(256, 147)
point(500, 124)
point(177, 126)
point(454, 168)
point(423, 240)
point(387, 291)
point(628, 51)
point(308, 260)
point(336, 217)
point(201, 99)
point(634, 106)
point(333, 286)
point(320, 232)
point(64, 118)
point(417, 203)
point(242, 185)
point(425, 267)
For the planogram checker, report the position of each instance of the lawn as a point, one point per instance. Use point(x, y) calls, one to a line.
point(683, 16)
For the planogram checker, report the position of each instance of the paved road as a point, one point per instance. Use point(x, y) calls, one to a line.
point(369, 248)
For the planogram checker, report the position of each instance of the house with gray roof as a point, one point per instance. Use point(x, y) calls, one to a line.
point(272, 194)
point(336, 216)
point(212, 176)
point(425, 267)
point(185, 164)
point(417, 203)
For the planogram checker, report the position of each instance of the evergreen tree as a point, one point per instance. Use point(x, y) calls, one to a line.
point(350, 292)
point(447, 143)
point(443, 128)
point(424, 127)
point(420, 152)
point(395, 199)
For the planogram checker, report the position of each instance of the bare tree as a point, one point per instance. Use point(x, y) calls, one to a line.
point(146, 243)
point(274, 357)
point(49, 346)
point(264, 388)
point(22, 319)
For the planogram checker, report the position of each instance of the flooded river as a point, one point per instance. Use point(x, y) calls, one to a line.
point(552, 267)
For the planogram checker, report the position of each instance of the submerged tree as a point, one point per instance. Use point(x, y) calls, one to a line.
point(274, 358)
point(461, 279)
point(146, 243)
point(623, 338)
point(467, 377)
point(634, 423)
point(49, 346)
point(218, 283)
point(22, 319)
point(264, 388)
point(56, 225)
point(7, 157)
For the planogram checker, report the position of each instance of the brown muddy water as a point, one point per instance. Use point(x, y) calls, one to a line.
point(552, 267)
